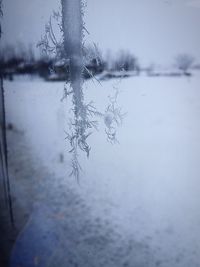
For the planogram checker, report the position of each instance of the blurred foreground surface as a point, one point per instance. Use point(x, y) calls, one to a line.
point(138, 201)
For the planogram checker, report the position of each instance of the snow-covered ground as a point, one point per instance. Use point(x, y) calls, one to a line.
point(142, 194)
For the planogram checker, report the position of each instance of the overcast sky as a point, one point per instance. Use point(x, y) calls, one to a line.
point(154, 30)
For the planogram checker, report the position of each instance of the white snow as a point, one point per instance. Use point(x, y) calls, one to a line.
point(147, 186)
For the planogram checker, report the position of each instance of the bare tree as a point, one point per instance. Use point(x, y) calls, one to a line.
point(126, 61)
point(184, 63)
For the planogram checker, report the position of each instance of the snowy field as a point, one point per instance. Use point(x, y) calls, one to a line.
point(137, 203)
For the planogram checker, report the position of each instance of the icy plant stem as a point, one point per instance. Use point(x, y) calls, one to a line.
point(72, 26)
point(72, 33)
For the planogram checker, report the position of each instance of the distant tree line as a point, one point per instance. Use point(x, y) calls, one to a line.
point(22, 60)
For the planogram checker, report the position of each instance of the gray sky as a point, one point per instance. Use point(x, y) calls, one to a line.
point(154, 30)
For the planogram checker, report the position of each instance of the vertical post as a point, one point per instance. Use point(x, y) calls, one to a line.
point(3, 152)
point(3, 145)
